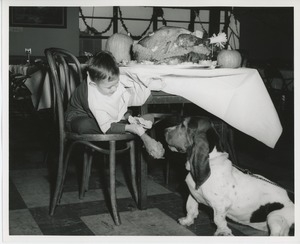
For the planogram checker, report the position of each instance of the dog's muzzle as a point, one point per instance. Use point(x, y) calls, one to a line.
point(169, 139)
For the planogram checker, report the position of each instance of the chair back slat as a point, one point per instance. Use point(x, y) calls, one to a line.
point(65, 76)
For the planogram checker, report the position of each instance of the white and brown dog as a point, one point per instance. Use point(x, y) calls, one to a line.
point(213, 181)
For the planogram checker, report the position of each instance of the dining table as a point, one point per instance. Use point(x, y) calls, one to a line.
point(38, 83)
point(237, 96)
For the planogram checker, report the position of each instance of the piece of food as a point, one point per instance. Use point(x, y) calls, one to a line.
point(120, 46)
point(174, 45)
point(229, 59)
point(147, 124)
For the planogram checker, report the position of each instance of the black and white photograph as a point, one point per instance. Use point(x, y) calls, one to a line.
point(161, 122)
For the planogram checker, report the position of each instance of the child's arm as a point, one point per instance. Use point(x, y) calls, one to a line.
point(135, 129)
point(140, 88)
point(116, 128)
point(153, 147)
point(119, 128)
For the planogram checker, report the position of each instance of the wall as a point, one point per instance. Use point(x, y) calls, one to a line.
point(40, 38)
point(267, 33)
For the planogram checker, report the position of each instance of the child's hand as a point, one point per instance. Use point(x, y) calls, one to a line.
point(156, 84)
point(147, 124)
point(135, 129)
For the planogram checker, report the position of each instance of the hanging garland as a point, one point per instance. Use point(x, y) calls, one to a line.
point(157, 12)
point(92, 29)
point(197, 13)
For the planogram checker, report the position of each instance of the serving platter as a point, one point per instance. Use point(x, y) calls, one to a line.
point(171, 66)
point(198, 66)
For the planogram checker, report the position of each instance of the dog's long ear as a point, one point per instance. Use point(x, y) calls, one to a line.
point(198, 156)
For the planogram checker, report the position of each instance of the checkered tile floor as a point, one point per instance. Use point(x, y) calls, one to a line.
point(29, 190)
point(28, 215)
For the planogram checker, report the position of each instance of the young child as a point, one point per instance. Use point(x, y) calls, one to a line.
point(100, 104)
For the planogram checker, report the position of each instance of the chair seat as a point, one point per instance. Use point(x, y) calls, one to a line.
point(99, 137)
point(91, 140)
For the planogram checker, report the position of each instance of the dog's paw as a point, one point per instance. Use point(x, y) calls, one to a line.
point(223, 232)
point(186, 221)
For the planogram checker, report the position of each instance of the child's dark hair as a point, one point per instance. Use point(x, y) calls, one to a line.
point(101, 66)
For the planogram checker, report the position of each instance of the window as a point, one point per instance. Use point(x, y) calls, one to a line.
point(98, 23)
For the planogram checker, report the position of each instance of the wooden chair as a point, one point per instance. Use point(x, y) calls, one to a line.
point(279, 88)
point(19, 95)
point(273, 74)
point(61, 62)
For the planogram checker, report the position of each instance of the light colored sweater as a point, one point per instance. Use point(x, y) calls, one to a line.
point(111, 109)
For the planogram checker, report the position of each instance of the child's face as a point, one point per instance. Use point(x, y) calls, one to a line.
point(106, 87)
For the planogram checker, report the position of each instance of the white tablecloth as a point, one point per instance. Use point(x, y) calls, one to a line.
point(38, 83)
point(237, 96)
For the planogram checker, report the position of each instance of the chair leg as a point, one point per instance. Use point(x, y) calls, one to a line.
point(133, 170)
point(86, 172)
point(59, 180)
point(66, 163)
point(167, 174)
point(112, 172)
point(82, 190)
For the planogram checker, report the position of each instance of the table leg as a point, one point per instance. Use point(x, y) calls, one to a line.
point(40, 89)
point(142, 170)
point(228, 141)
point(232, 145)
point(142, 178)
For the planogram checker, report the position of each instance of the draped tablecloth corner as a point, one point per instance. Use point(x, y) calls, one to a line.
point(237, 96)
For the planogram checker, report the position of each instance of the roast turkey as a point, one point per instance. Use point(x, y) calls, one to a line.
point(173, 45)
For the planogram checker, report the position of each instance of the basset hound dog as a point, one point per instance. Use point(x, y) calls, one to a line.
point(247, 199)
